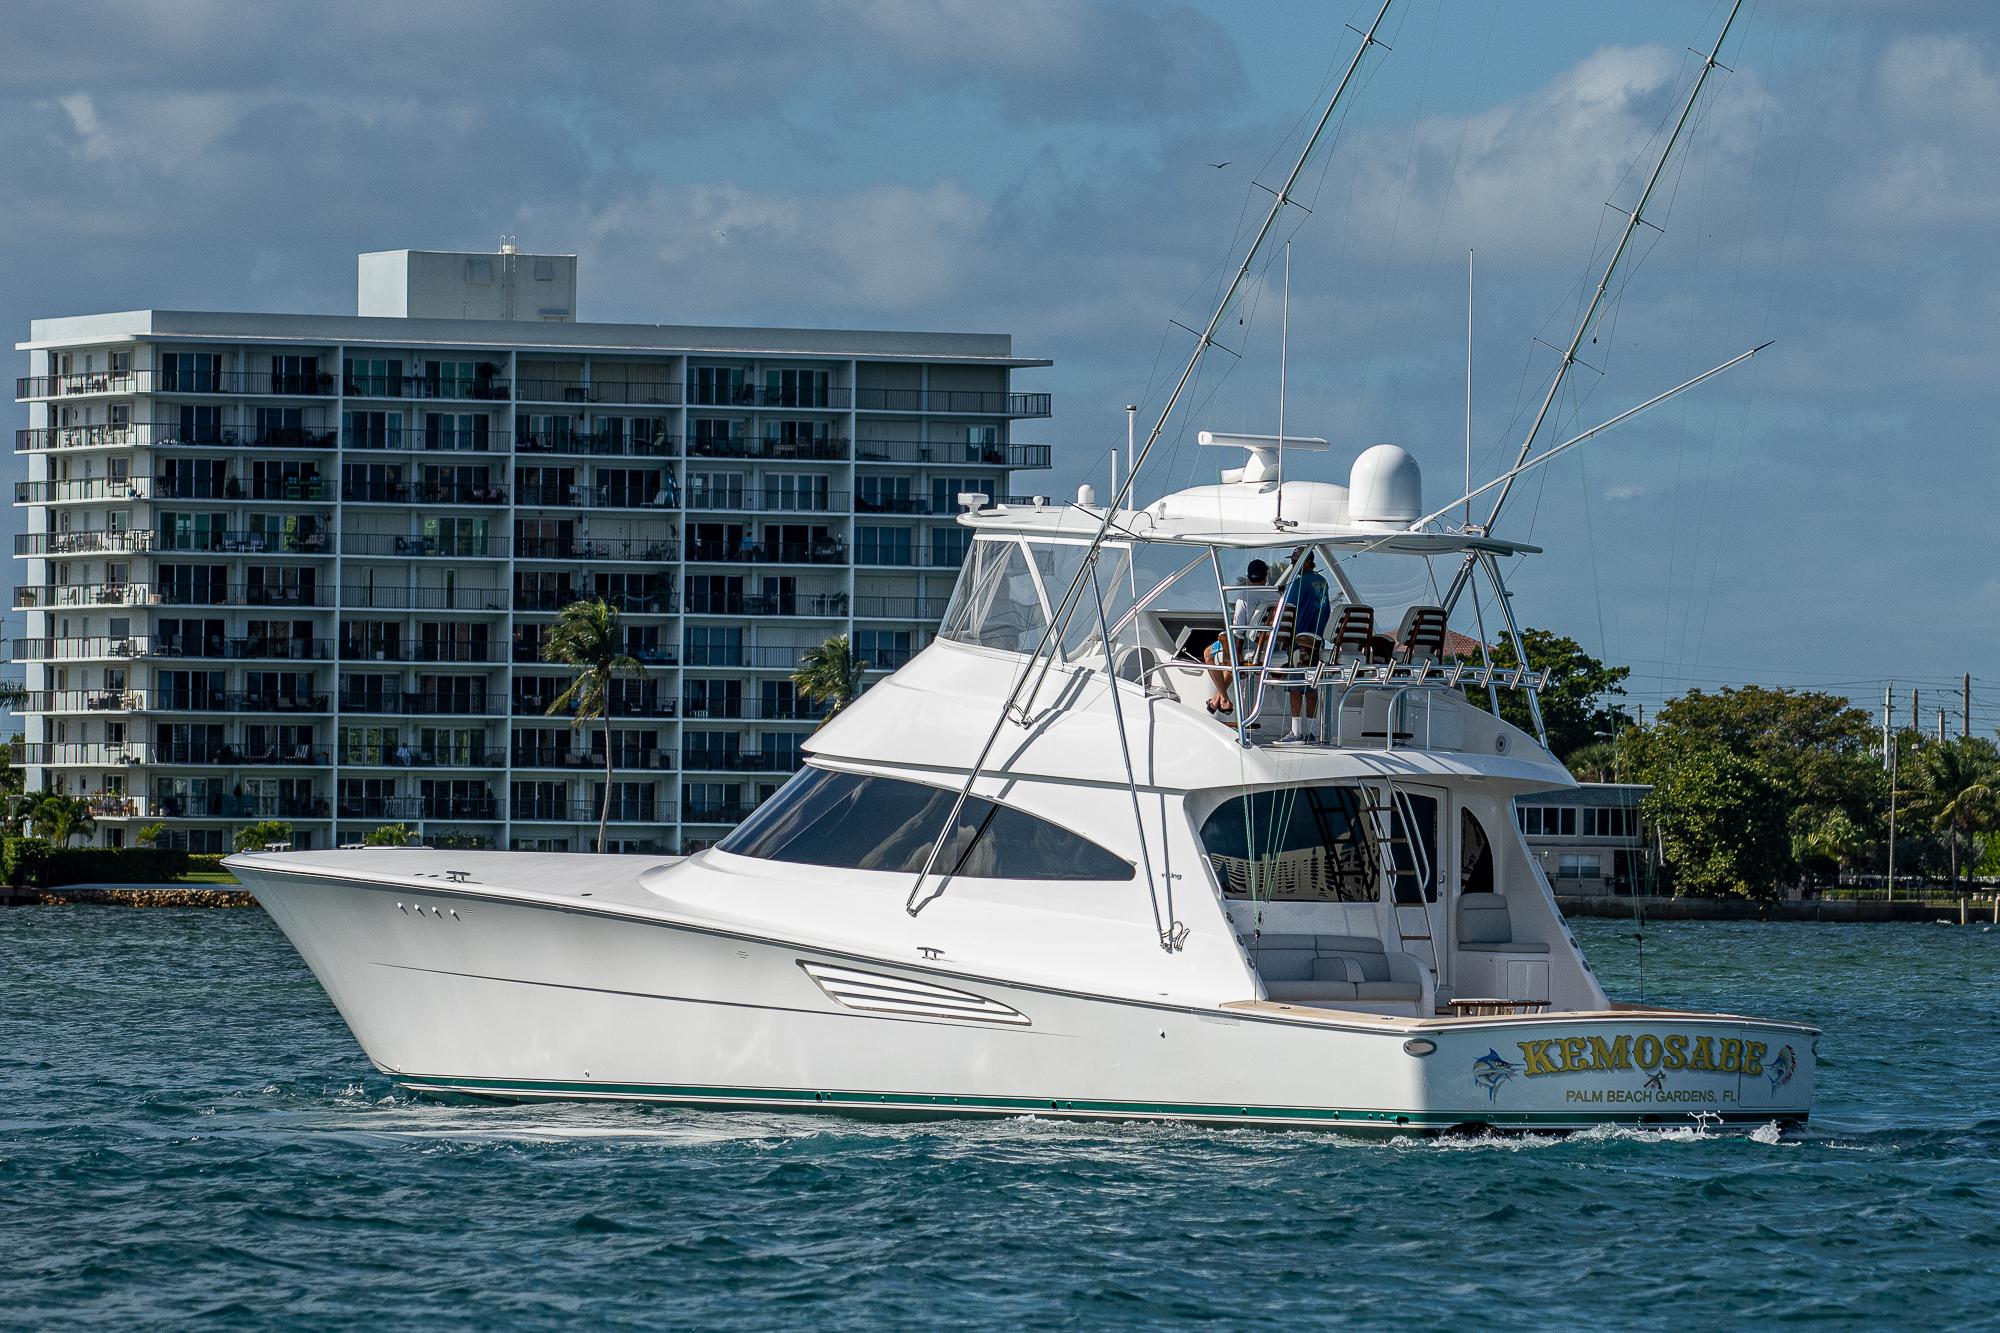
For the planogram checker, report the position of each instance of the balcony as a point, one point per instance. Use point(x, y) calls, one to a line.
point(598, 389)
point(808, 397)
point(237, 701)
point(217, 594)
point(383, 492)
point(405, 755)
point(823, 605)
point(456, 547)
point(643, 549)
point(228, 754)
point(82, 383)
point(915, 556)
point(961, 402)
point(111, 541)
point(890, 659)
point(38, 596)
point(622, 709)
point(43, 439)
point(261, 383)
point(827, 552)
point(318, 542)
point(79, 648)
point(483, 809)
point(786, 659)
point(81, 754)
point(123, 489)
point(171, 435)
point(715, 812)
point(767, 501)
point(218, 806)
point(532, 810)
point(813, 450)
point(380, 807)
point(656, 496)
point(81, 701)
point(484, 386)
point(960, 454)
point(362, 597)
point(701, 760)
point(416, 703)
point(364, 650)
point(900, 608)
point(239, 649)
point(700, 708)
point(598, 446)
point(292, 490)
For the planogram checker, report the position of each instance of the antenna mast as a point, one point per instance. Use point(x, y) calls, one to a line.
point(1632, 221)
point(1284, 355)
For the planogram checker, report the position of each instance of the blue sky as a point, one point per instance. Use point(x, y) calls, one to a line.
point(1823, 516)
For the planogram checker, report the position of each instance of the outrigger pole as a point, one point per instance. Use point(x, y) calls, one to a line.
point(1632, 221)
point(1059, 620)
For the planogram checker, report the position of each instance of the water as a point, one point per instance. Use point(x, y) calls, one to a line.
point(187, 1132)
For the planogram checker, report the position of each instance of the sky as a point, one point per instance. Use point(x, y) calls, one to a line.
point(1821, 516)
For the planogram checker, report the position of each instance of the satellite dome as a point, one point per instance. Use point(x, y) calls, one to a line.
point(1385, 490)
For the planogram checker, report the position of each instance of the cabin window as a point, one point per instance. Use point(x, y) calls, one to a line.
point(996, 604)
point(853, 822)
point(1293, 844)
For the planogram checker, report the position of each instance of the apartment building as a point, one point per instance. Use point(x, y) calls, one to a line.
point(302, 566)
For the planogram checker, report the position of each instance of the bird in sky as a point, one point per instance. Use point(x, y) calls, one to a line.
point(1220, 165)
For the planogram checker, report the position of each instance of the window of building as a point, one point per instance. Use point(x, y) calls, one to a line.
point(717, 385)
point(374, 377)
point(456, 430)
point(883, 546)
point(190, 372)
point(848, 821)
point(795, 388)
point(294, 374)
point(714, 645)
point(883, 649)
point(1579, 865)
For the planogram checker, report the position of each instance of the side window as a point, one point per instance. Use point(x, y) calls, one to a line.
point(852, 822)
point(1294, 844)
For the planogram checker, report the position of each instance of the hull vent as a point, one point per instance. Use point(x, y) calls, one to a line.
point(900, 997)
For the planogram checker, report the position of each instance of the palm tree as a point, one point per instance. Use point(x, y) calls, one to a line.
point(585, 636)
point(1955, 788)
point(59, 817)
point(830, 674)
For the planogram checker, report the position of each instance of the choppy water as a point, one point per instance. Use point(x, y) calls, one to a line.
point(188, 1133)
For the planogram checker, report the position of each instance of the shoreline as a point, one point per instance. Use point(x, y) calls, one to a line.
point(1833, 911)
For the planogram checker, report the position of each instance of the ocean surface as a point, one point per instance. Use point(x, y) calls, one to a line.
point(188, 1135)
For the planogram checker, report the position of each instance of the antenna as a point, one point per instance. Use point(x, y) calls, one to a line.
point(1131, 425)
point(1284, 350)
point(1468, 388)
point(1583, 326)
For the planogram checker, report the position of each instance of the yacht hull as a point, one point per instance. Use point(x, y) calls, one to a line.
point(460, 992)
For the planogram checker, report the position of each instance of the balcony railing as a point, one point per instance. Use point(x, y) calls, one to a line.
point(969, 402)
point(803, 397)
point(79, 648)
point(697, 708)
point(82, 754)
point(380, 807)
point(362, 597)
point(81, 701)
point(230, 754)
point(714, 812)
point(827, 552)
point(487, 387)
point(598, 445)
point(229, 437)
point(40, 439)
point(217, 805)
point(405, 755)
point(960, 454)
point(293, 490)
point(456, 547)
point(767, 501)
point(83, 489)
point(112, 541)
point(258, 647)
point(828, 450)
point(237, 701)
point(757, 657)
point(591, 548)
point(701, 760)
point(915, 556)
point(417, 702)
point(418, 650)
point(539, 811)
point(622, 710)
point(822, 605)
point(420, 492)
point(890, 659)
point(480, 808)
point(83, 382)
point(900, 608)
point(245, 543)
point(654, 496)
point(599, 390)
point(36, 596)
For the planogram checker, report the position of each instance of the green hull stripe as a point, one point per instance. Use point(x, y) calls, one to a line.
point(696, 1095)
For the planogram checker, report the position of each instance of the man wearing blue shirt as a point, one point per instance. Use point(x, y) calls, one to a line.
point(1307, 599)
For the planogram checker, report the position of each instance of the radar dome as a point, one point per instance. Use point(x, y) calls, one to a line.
point(1385, 491)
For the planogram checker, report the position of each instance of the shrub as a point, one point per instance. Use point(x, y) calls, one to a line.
point(38, 863)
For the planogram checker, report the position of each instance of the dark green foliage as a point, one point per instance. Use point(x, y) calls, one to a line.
point(38, 863)
point(1577, 706)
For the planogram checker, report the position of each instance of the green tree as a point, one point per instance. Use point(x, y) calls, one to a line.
point(255, 837)
point(59, 818)
point(829, 673)
point(388, 835)
point(1954, 790)
point(1828, 840)
point(585, 636)
point(1719, 819)
point(1577, 707)
point(150, 835)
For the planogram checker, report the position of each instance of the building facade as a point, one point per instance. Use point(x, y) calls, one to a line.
point(1589, 838)
point(301, 567)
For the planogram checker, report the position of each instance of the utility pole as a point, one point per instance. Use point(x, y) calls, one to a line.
point(1916, 717)
point(1889, 762)
point(1965, 704)
point(1940, 726)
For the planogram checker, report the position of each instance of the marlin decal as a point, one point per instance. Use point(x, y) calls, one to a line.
point(1492, 1069)
point(1781, 1070)
point(1656, 1081)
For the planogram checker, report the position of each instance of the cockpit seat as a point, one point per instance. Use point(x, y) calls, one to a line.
point(1484, 926)
point(1310, 968)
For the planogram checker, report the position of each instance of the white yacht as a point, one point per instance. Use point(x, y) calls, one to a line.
point(1134, 837)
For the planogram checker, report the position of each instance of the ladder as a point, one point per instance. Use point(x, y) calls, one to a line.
point(1395, 822)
